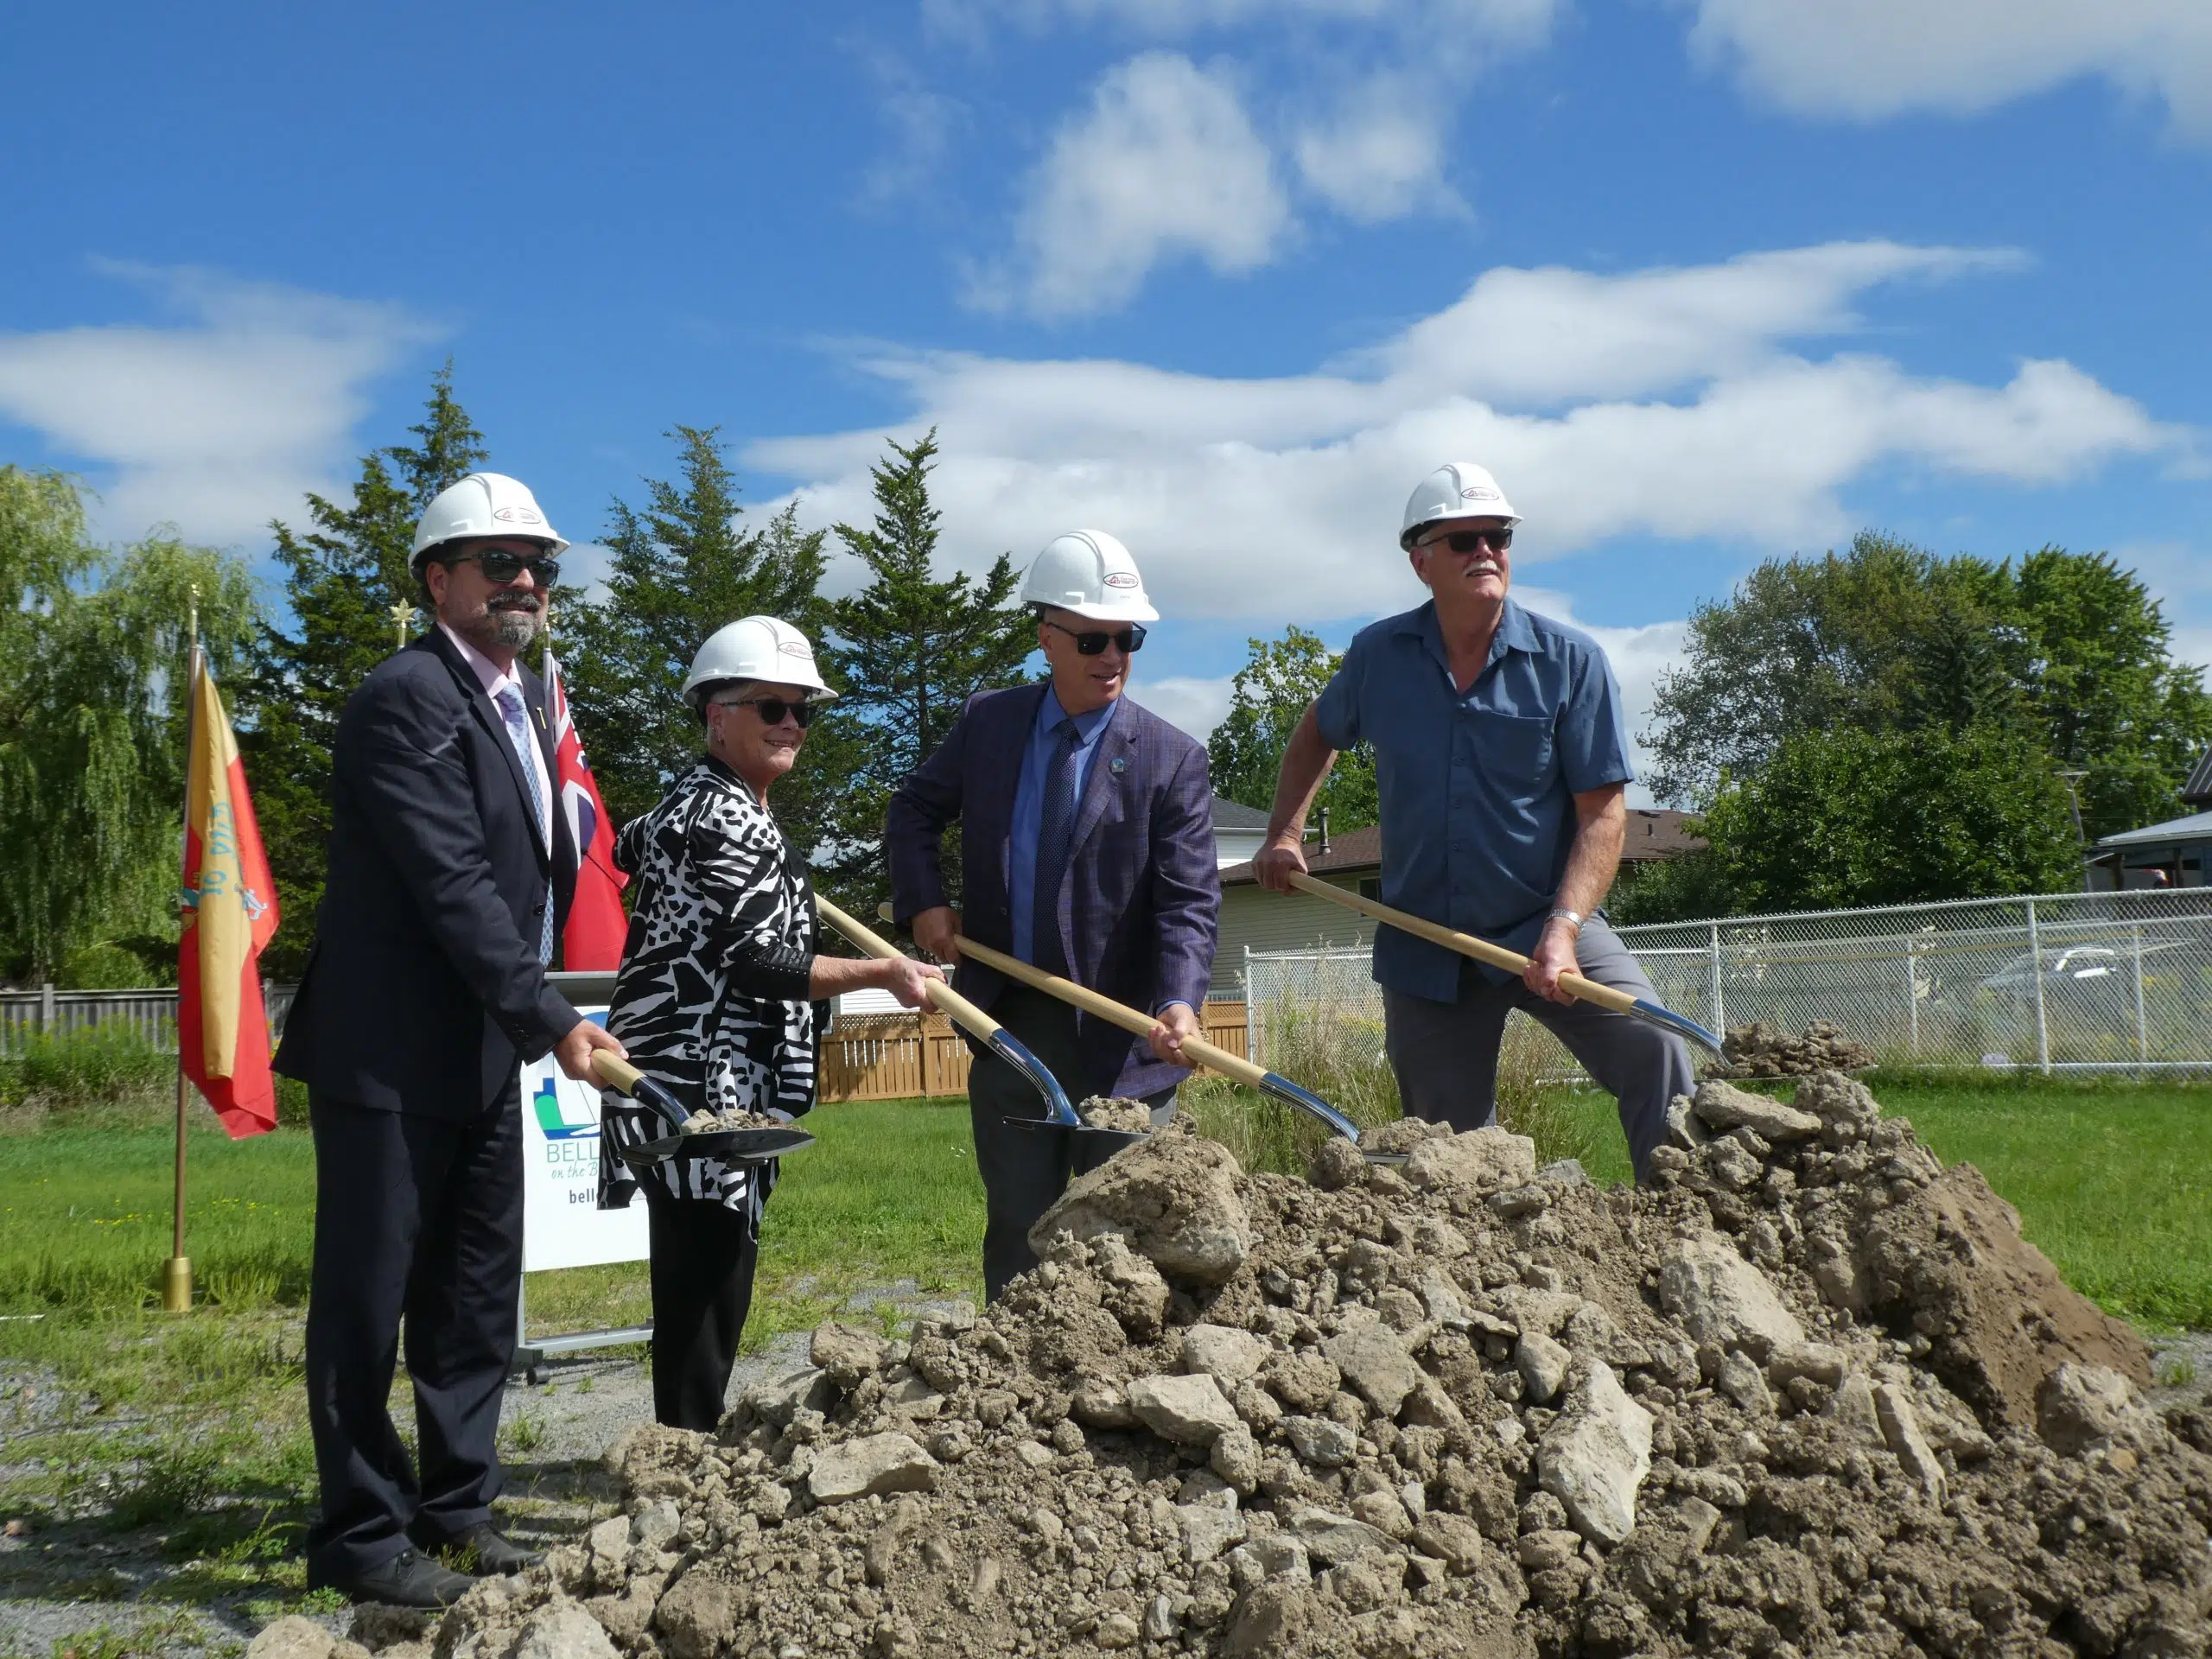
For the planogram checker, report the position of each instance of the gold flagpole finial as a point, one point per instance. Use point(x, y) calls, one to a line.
point(402, 615)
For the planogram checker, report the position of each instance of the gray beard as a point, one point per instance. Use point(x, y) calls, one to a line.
point(512, 629)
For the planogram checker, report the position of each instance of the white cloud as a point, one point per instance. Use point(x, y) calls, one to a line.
point(1163, 163)
point(216, 425)
point(1188, 702)
point(1869, 59)
point(1662, 403)
point(1381, 156)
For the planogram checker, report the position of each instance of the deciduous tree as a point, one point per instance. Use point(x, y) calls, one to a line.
point(1270, 692)
point(92, 743)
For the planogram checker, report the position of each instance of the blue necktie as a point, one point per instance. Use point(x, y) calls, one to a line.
point(1055, 826)
point(518, 735)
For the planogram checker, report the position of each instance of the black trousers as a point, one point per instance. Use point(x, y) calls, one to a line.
point(703, 1255)
point(417, 1222)
point(1024, 1172)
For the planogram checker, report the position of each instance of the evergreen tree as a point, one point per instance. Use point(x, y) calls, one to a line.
point(1267, 699)
point(683, 566)
point(93, 652)
point(342, 579)
point(911, 648)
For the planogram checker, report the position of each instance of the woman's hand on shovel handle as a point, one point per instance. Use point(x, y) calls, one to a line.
point(907, 979)
point(573, 1052)
point(1176, 1022)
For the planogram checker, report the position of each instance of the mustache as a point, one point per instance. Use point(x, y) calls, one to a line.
point(514, 603)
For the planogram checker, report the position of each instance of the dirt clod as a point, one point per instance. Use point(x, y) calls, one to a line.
point(1807, 1394)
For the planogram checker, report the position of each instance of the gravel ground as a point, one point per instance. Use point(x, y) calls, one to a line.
point(81, 1580)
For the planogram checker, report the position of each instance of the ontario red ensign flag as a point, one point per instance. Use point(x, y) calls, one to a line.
point(591, 941)
point(230, 914)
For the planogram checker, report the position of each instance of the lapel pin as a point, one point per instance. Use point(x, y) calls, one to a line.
point(1118, 764)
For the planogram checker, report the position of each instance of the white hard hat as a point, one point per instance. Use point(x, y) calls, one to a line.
point(1459, 489)
point(1090, 573)
point(483, 503)
point(755, 648)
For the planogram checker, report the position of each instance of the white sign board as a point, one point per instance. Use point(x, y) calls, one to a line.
point(563, 1225)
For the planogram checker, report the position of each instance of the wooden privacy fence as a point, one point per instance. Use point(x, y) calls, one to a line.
point(896, 1056)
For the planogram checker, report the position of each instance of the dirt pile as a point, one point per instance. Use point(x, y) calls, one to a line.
point(1772, 1405)
point(1759, 1049)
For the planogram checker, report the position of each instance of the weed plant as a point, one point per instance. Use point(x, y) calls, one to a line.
point(1338, 1054)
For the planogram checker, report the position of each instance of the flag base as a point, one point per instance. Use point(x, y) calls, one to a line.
point(176, 1285)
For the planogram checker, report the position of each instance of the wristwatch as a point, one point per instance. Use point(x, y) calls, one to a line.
point(1560, 913)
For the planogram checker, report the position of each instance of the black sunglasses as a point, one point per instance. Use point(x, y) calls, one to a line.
point(501, 566)
point(773, 710)
point(1473, 541)
point(1092, 644)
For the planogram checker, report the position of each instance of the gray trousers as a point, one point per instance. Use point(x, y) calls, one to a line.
point(1024, 1171)
point(1445, 1053)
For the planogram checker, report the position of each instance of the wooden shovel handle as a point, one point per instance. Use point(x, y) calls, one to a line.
point(1588, 990)
point(615, 1070)
point(1118, 1014)
point(956, 1006)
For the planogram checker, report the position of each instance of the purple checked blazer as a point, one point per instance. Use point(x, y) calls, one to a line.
point(1141, 908)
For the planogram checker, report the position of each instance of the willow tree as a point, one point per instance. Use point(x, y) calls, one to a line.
point(91, 750)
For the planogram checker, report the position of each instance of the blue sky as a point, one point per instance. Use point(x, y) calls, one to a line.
point(1702, 282)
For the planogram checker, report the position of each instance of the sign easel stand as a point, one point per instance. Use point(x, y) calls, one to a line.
point(585, 991)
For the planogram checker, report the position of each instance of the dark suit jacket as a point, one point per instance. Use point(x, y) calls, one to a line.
point(1141, 908)
point(424, 992)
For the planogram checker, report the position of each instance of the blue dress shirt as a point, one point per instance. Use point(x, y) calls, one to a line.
point(1477, 790)
point(1029, 804)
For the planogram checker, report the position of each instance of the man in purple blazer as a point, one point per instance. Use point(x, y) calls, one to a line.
point(1086, 841)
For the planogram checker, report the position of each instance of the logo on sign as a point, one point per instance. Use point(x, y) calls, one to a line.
point(557, 1123)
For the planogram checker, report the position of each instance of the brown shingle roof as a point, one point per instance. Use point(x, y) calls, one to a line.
point(1654, 833)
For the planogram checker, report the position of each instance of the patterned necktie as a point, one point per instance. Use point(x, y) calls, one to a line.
point(518, 735)
point(1055, 825)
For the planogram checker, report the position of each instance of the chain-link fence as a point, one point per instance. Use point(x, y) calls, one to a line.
point(2119, 982)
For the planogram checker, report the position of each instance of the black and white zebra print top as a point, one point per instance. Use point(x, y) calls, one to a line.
point(710, 1000)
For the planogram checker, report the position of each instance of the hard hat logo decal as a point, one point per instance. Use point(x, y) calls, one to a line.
point(1479, 493)
point(793, 648)
point(517, 515)
point(1121, 579)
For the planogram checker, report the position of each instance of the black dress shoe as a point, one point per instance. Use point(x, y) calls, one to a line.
point(486, 1552)
point(407, 1579)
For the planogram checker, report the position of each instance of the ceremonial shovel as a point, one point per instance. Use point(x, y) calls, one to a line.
point(1059, 1113)
point(726, 1145)
point(1229, 1065)
point(1586, 990)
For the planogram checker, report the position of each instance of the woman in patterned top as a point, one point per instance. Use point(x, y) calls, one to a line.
point(714, 997)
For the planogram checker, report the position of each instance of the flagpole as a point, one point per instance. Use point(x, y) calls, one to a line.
point(176, 1272)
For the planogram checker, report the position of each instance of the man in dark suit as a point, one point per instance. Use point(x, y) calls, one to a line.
point(450, 871)
point(1086, 836)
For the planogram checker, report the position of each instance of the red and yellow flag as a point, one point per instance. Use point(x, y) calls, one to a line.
point(229, 913)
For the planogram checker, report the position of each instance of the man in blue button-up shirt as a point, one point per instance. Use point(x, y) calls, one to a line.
point(1501, 760)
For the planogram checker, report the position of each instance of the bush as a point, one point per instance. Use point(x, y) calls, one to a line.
point(101, 1066)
